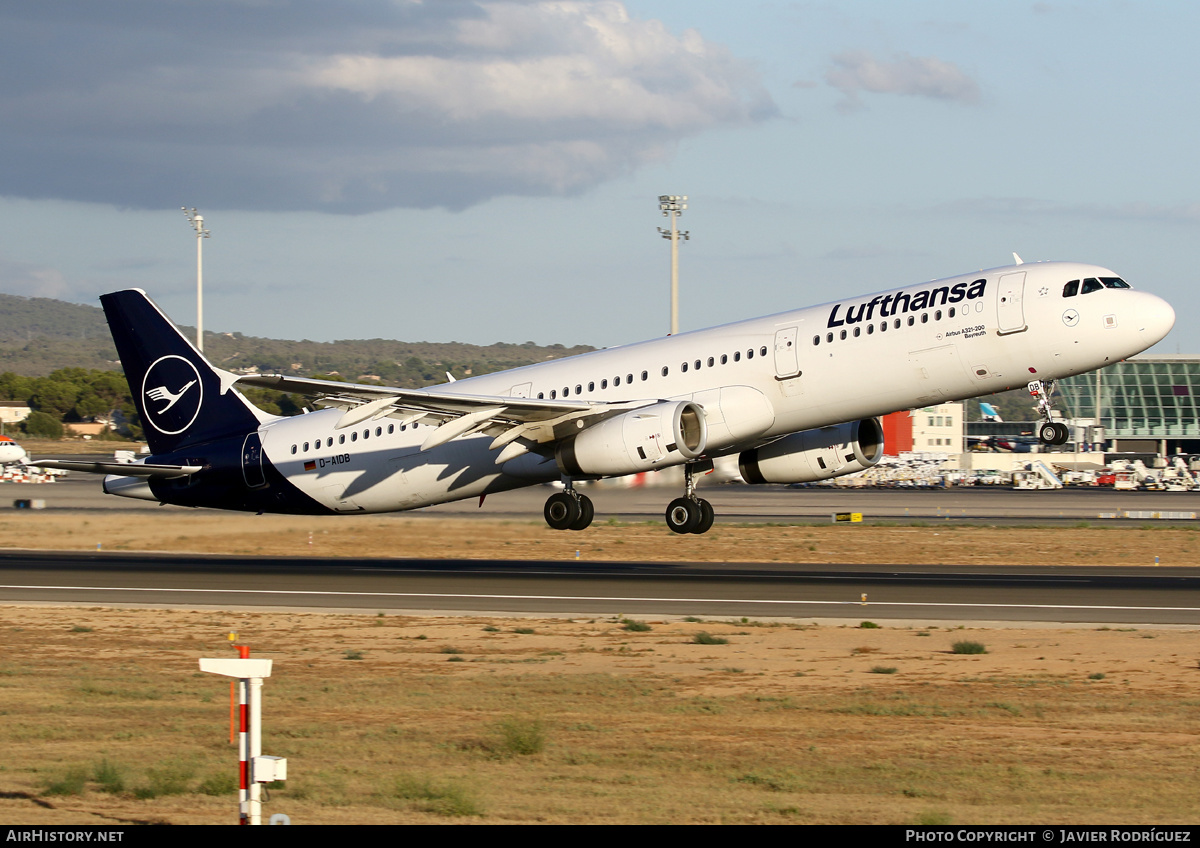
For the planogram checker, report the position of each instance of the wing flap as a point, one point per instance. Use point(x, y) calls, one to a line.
point(505, 418)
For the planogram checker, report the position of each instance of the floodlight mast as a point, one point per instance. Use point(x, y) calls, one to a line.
point(197, 222)
point(672, 206)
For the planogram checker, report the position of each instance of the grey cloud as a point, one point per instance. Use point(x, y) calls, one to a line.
point(857, 71)
point(347, 106)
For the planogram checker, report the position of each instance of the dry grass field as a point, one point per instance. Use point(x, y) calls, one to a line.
point(474, 719)
point(416, 536)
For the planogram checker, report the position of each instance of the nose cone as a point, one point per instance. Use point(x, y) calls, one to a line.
point(1155, 318)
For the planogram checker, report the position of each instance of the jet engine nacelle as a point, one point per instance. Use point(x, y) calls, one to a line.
point(812, 455)
point(666, 433)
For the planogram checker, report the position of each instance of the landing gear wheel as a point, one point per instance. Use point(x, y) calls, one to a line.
point(586, 513)
point(683, 515)
point(706, 517)
point(1054, 433)
point(562, 511)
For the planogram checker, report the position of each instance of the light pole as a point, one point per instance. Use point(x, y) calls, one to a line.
point(197, 222)
point(672, 206)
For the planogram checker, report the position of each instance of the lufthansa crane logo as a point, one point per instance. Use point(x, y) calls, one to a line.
point(172, 394)
point(1070, 317)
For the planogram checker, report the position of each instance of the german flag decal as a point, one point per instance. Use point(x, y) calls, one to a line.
point(310, 466)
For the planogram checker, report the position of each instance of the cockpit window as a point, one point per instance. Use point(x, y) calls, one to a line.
point(1115, 283)
point(1071, 289)
point(1091, 284)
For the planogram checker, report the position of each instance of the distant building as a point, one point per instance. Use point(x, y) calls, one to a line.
point(1149, 404)
point(14, 411)
point(938, 429)
point(897, 433)
point(933, 429)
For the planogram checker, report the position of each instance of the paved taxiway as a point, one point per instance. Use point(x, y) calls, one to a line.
point(1114, 596)
point(983, 504)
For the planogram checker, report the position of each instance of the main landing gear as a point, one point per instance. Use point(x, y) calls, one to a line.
point(569, 510)
point(690, 514)
point(1050, 432)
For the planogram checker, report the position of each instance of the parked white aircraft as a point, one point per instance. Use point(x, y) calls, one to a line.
point(795, 396)
point(10, 451)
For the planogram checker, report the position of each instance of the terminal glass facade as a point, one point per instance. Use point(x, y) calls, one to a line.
point(1146, 398)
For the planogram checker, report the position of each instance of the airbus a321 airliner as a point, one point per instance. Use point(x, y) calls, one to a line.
point(796, 396)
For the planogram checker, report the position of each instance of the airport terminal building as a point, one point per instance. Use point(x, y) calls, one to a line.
point(1148, 404)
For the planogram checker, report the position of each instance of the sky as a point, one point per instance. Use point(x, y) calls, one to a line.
point(489, 171)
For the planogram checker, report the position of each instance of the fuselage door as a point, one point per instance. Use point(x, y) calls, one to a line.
point(252, 470)
point(521, 391)
point(787, 359)
point(1010, 305)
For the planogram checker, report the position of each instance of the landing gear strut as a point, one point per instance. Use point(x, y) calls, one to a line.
point(569, 510)
point(1050, 432)
point(690, 514)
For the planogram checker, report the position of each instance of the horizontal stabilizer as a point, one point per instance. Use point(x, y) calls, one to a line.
point(127, 469)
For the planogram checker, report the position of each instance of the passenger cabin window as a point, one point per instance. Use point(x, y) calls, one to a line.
point(1071, 289)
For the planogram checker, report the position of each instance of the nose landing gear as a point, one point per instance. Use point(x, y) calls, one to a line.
point(1050, 432)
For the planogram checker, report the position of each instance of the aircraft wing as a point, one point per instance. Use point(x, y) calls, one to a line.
point(127, 469)
point(532, 420)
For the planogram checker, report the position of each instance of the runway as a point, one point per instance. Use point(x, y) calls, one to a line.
point(753, 590)
point(897, 591)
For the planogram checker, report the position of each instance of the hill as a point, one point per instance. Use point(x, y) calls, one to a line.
point(40, 335)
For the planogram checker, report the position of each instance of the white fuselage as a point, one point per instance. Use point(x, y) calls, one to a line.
point(757, 380)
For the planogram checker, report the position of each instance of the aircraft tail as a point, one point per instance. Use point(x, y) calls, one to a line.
point(182, 399)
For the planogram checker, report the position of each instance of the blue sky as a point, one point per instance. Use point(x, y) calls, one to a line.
point(488, 171)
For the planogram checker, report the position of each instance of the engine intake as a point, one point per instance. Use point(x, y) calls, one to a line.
point(666, 433)
point(812, 455)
